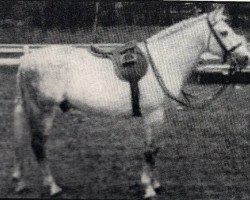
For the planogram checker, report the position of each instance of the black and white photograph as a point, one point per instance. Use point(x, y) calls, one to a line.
point(125, 100)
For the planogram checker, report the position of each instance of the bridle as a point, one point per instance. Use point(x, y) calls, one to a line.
point(227, 52)
point(186, 96)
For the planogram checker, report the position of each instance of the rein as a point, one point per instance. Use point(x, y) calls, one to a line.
point(186, 101)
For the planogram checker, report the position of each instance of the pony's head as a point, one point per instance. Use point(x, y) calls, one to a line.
point(223, 41)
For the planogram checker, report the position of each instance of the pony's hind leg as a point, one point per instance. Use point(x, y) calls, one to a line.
point(40, 125)
point(21, 138)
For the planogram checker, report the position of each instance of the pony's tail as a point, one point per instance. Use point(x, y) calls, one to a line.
point(22, 93)
point(23, 87)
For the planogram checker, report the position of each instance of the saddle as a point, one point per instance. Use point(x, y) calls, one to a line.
point(130, 65)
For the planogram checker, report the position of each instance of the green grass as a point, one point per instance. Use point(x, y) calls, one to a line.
point(204, 153)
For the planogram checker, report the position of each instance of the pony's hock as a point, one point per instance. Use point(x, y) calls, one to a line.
point(130, 65)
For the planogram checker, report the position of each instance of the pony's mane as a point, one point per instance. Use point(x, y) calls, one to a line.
point(178, 27)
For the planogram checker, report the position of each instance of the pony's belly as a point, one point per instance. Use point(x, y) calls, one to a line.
point(100, 90)
point(108, 103)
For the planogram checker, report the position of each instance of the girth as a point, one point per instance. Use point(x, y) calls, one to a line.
point(130, 65)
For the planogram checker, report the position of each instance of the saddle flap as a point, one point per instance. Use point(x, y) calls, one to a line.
point(100, 52)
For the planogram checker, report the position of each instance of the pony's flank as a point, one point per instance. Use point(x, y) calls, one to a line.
point(177, 27)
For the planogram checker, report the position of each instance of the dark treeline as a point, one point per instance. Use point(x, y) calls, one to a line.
point(70, 14)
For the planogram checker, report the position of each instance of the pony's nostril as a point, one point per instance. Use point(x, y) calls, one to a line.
point(243, 61)
point(246, 59)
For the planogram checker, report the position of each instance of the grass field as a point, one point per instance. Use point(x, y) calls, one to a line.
point(205, 154)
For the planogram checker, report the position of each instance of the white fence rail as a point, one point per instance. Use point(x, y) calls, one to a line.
point(10, 56)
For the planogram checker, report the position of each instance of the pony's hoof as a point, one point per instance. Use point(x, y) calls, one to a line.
point(55, 191)
point(150, 193)
point(20, 187)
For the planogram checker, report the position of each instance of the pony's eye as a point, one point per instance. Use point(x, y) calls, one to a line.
point(224, 33)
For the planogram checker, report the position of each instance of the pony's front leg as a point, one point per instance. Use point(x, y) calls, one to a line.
point(149, 172)
point(148, 176)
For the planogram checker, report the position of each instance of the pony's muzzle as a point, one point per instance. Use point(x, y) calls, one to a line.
point(242, 61)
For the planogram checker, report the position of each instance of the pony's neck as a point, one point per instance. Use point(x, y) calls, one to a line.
point(177, 54)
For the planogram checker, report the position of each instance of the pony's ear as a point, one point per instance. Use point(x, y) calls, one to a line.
point(219, 8)
point(217, 14)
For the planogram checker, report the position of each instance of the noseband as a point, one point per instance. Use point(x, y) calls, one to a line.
point(227, 52)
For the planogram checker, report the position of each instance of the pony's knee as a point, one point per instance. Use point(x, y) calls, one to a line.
point(37, 143)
